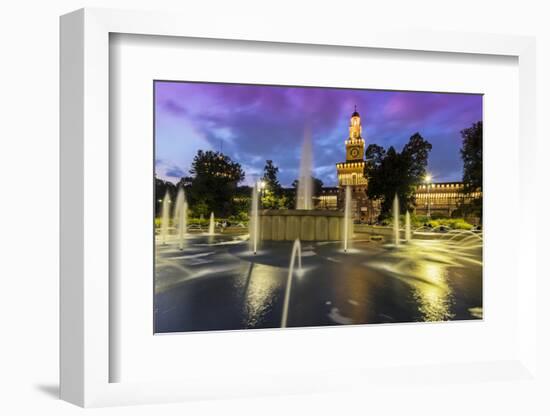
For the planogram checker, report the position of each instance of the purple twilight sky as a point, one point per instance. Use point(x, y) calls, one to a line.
point(252, 123)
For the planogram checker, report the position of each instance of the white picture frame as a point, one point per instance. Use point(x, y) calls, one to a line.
point(85, 213)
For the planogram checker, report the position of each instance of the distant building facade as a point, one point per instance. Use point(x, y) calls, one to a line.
point(328, 199)
point(442, 197)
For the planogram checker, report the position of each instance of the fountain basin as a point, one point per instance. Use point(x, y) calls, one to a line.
point(304, 224)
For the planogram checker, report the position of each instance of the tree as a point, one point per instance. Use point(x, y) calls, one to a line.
point(185, 182)
point(416, 153)
point(200, 209)
point(390, 172)
point(374, 156)
point(216, 165)
point(214, 182)
point(270, 178)
point(472, 156)
point(272, 194)
point(242, 202)
point(289, 198)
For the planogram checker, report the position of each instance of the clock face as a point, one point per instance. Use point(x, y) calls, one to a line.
point(354, 152)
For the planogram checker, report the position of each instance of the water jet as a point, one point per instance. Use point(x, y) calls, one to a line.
point(408, 234)
point(180, 217)
point(304, 198)
point(254, 225)
point(296, 250)
point(165, 218)
point(211, 225)
point(347, 218)
point(396, 220)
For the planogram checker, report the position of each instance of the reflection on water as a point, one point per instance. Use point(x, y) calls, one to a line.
point(434, 296)
point(261, 293)
point(216, 283)
point(476, 312)
point(425, 266)
point(336, 316)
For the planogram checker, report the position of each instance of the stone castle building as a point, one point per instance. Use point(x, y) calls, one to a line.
point(442, 198)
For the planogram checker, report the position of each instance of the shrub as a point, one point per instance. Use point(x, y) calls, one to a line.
point(460, 224)
point(418, 220)
point(434, 221)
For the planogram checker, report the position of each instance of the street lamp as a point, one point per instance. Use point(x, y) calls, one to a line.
point(427, 180)
point(261, 186)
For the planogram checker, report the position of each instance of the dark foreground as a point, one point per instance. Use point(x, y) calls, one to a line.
point(216, 283)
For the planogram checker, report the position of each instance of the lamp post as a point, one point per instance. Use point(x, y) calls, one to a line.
point(427, 180)
point(261, 186)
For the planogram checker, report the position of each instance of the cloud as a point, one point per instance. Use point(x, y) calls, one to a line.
point(256, 123)
point(174, 172)
point(166, 169)
point(171, 106)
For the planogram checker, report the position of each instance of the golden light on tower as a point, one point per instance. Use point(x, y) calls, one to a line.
point(350, 172)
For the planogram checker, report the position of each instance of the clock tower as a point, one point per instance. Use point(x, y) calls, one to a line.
point(355, 145)
point(350, 172)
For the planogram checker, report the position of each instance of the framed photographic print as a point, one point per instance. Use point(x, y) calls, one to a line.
point(279, 213)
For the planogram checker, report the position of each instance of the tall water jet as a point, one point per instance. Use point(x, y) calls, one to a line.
point(296, 250)
point(347, 218)
point(396, 220)
point(408, 235)
point(180, 217)
point(254, 225)
point(165, 218)
point(211, 225)
point(304, 198)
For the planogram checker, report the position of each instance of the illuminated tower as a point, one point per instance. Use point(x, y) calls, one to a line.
point(350, 172)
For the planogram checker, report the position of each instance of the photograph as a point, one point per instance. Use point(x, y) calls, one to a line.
point(279, 206)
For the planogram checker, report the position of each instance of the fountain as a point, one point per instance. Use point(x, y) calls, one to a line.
point(253, 224)
point(211, 225)
point(165, 218)
point(180, 217)
point(296, 248)
point(408, 234)
point(396, 220)
point(304, 198)
point(305, 222)
point(347, 218)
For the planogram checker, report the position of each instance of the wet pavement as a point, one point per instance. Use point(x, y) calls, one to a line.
point(217, 283)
